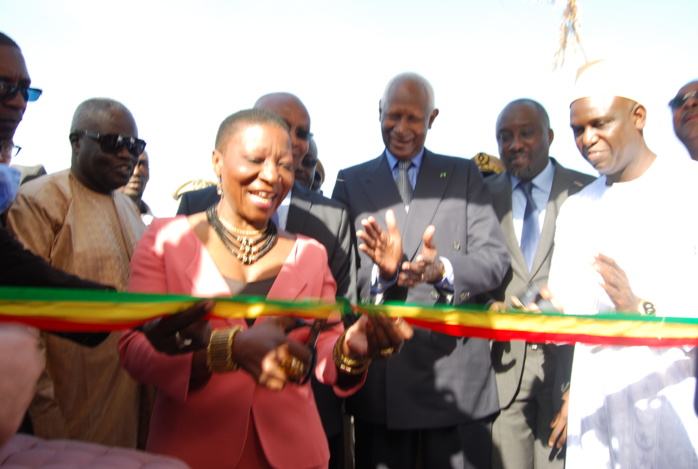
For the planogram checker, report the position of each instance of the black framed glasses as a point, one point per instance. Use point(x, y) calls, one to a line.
point(112, 143)
point(8, 149)
point(679, 101)
point(9, 90)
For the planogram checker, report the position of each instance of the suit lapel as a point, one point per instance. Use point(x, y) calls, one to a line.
point(298, 210)
point(501, 192)
point(432, 181)
point(563, 182)
point(381, 191)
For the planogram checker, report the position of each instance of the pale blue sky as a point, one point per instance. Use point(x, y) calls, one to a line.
point(183, 66)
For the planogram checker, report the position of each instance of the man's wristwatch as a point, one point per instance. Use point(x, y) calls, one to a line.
point(646, 308)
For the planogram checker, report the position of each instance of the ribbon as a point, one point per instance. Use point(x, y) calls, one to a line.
point(93, 310)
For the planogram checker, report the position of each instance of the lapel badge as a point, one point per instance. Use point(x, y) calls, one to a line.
point(456, 246)
point(442, 175)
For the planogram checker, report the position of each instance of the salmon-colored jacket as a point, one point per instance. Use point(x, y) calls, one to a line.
point(207, 428)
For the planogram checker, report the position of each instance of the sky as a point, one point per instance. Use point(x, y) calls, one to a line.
point(181, 67)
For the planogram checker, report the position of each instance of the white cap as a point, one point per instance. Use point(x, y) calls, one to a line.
point(608, 78)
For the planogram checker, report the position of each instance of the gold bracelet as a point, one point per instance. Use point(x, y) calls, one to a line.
point(346, 364)
point(219, 354)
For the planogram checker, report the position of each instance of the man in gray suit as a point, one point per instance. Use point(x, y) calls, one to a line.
point(431, 405)
point(311, 214)
point(529, 375)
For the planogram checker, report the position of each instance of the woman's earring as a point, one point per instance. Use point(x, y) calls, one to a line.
point(219, 186)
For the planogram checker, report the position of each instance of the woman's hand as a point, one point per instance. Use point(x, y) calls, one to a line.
point(265, 352)
point(376, 336)
point(181, 332)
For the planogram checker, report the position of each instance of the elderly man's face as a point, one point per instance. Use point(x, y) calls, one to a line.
point(606, 130)
point(685, 109)
point(13, 71)
point(100, 170)
point(405, 119)
point(524, 140)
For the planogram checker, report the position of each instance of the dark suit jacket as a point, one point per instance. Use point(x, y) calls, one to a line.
point(328, 222)
point(437, 380)
point(508, 357)
point(198, 201)
point(22, 268)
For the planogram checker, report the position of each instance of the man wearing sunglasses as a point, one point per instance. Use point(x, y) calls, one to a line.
point(684, 107)
point(15, 92)
point(78, 221)
point(14, 96)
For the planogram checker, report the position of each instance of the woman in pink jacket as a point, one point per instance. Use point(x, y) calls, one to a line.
point(207, 412)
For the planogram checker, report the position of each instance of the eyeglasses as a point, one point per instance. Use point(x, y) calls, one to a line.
point(9, 90)
point(8, 149)
point(112, 143)
point(679, 101)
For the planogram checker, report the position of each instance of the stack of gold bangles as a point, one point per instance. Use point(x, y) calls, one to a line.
point(346, 364)
point(219, 356)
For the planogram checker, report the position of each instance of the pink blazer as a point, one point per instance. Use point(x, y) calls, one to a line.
point(207, 428)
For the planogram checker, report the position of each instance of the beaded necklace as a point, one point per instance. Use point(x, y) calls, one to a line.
point(241, 245)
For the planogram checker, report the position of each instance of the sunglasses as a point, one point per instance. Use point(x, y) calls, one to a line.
point(112, 143)
point(679, 101)
point(9, 90)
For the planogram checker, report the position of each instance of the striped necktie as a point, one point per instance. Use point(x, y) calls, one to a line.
point(403, 183)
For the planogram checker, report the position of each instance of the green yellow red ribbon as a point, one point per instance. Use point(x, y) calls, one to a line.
point(91, 310)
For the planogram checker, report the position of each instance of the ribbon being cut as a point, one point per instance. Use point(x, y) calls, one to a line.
point(90, 310)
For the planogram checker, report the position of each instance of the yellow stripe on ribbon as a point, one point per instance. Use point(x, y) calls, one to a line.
point(90, 310)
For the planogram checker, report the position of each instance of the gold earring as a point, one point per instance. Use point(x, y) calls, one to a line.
point(219, 186)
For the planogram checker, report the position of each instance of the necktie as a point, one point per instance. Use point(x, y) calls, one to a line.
point(403, 183)
point(530, 233)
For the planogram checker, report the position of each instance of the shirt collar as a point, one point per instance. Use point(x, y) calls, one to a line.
point(416, 161)
point(544, 180)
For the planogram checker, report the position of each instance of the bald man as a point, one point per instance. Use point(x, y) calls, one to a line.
point(432, 404)
point(79, 222)
point(529, 375)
